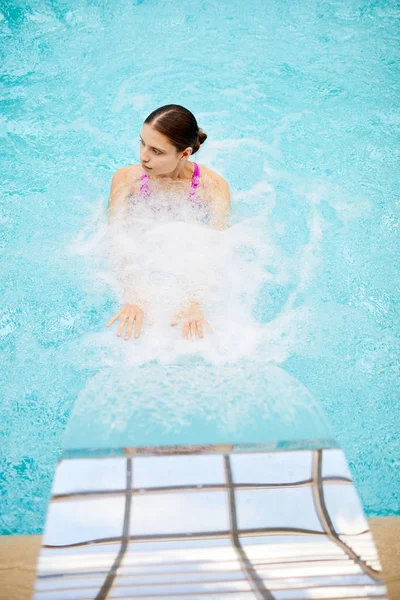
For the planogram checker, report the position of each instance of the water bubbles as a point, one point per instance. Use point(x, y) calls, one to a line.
point(163, 250)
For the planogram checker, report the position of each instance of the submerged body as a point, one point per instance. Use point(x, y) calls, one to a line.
point(170, 135)
point(202, 188)
point(178, 206)
point(193, 194)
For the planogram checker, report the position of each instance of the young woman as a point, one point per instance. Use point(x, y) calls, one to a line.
point(169, 136)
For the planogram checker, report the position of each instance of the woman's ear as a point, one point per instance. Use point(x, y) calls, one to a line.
point(187, 152)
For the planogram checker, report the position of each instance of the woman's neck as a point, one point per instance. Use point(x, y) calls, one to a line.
point(182, 172)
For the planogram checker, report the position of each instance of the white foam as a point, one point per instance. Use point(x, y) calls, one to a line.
point(166, 256)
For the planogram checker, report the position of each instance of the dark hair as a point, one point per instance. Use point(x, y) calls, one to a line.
point(179, 125)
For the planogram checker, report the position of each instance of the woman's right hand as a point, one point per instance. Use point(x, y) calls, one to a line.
point(129, 314)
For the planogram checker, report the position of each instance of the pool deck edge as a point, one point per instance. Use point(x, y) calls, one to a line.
point(18, 556)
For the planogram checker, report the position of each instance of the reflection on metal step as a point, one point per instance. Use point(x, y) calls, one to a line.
point(198, 522)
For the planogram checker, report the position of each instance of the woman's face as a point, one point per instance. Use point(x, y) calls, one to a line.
point(157, 153)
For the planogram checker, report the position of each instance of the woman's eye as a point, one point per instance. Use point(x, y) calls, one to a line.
point(155, 151)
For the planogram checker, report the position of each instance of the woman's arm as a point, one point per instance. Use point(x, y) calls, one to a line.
point(118, 192)
point(191, 315)
point(132, 313)
point(221, 203)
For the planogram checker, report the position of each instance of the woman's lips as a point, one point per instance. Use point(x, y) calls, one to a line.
point(144, 166)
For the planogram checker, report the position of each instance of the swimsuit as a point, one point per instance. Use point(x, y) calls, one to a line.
point(193, 194)
point(200, 207)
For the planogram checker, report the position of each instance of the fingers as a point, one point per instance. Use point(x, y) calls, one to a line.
point(192, 325)
point(200, 329)
point(195, 327)
point(115, 317)
point(129, 327)
point(138, 326)
point(124, 319)
point(186, 330)
point(129, 314)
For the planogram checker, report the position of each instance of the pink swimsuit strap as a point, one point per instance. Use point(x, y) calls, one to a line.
point(193, 194)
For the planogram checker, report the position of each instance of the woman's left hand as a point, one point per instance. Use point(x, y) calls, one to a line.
point(193, 320)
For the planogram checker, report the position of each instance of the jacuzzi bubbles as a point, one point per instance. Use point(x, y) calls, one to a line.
point(163, 252)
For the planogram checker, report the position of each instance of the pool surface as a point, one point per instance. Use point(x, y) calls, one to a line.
point(299, 105)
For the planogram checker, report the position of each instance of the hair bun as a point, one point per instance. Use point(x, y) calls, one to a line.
point(202, 136)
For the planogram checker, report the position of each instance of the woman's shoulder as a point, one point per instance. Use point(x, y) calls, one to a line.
point(214, 182)
point(210, 172)
point(124, 181)
point(213, 175)
point(128, 173)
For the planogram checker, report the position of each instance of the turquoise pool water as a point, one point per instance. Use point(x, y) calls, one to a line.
point(299, 101)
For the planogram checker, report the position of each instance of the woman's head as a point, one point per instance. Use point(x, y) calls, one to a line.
point(170, 134)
